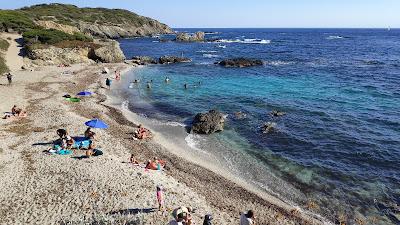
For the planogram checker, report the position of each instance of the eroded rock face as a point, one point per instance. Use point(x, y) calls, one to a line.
point(208, 123)
point(124, 30)
point(172, 59)
point(240, 62)
point(185, 37)
point(56, 56)
point(110, 52)
point(61, 27)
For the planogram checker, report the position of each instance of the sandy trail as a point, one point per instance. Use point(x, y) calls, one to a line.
point(14, 55)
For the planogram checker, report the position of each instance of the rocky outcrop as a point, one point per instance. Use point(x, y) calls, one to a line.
point(53, 25)
point(124, 30)
point(276, 113)
point(185, 37)
point(208, 123)
point(110, 52)
point(143, 60)
point(56, 56)
point(240, 62)
point(172, 59)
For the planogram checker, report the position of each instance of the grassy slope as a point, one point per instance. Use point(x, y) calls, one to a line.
point(3, 47)
point(70, 15)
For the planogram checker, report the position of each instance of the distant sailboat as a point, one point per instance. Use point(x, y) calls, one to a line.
point(388, 29)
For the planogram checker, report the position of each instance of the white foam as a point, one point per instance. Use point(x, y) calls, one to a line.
point(244, 41)
point(278, 63)
point(334, 37)
point(125, 105)
point(193, 141)
point(210, 56)
point(206, 51)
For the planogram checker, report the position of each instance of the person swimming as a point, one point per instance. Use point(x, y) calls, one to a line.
point(166, 79)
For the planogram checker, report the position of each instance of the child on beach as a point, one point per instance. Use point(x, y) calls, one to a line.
point(160, 197)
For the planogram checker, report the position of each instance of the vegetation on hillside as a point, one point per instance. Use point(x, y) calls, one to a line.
point(51, 36)
point(71, 15)
point(15, 20)
point(4, 45)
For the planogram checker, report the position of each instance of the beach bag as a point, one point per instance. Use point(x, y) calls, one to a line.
point(97, 152)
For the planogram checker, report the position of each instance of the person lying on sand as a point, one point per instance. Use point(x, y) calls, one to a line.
point(15, 112)
point(92, 151)
point(133, 160)
point(142, 133)
point(68, 141)
point(155, 164)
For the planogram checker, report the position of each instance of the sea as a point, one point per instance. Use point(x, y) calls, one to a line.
point(336, 151)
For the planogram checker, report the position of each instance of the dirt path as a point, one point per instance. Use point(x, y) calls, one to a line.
point(14, 57)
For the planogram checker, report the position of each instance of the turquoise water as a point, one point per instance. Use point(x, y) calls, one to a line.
point(338, 143)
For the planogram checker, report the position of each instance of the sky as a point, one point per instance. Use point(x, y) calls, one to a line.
point(251, 13)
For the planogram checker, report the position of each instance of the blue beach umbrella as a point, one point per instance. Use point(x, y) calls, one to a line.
point(96, 123)
point(84, 93)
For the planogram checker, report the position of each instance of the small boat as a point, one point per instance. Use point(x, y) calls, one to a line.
point(221, 46)
point(388, 28)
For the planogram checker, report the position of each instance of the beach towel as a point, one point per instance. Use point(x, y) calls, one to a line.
point(73, 99)
point(64, 152)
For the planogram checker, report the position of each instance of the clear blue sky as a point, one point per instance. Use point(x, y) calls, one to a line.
point(251, 13)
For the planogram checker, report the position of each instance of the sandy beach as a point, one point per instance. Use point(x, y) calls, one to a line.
point(41, 188)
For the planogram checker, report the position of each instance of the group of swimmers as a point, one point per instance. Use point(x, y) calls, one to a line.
point(15, 113)
point(166, 80)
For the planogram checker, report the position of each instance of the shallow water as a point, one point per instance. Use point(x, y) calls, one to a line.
point(338, 143)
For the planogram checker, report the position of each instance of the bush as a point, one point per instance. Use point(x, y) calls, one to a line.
point(51, 36)
point(4, 45)
point(15, 20)
point(3, 65)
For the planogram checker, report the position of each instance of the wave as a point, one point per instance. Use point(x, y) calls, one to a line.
point(155, 41)
point(193, 141)
point(244, 41)
point(332, 37)
point(210, 56)
point(278, 63)
point(206, 51)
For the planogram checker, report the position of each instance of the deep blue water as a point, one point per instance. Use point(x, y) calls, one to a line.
point(339, 141)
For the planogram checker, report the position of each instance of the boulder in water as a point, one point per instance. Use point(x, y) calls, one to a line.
point(208, 123)
point(185, 37)
point(143, 60)
point(276, 113)
point(240, 62)
point(172, 59)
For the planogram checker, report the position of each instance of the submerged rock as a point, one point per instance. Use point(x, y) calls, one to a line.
point(185, 37)
point(240, 62)
point(268, 127)
point(277, 113)
point(172, 59)
point(208, 123)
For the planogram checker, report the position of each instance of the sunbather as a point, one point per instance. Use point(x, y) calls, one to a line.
point(89, 133)
point(92, 151)
point(133, 160)
point(142, 133)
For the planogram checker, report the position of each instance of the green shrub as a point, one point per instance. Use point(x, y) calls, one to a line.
point(15, 20)
point(4, 45)
point(51, 36)
point(3, 66)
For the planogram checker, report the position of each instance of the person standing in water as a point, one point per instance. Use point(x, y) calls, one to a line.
point(185, 86)
point(166, 79)
point(148, 85)
point(108, 83)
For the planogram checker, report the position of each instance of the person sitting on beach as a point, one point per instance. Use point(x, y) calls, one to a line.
point(89, 134)
point(69, 141)
point(151, 165)
point(142, 133)
point(92, 151)
point(247, 218)
point(133, 160)
point(160, 162)
point(61, 133)
point(181, 210)
point(179, 220)
point(207, 219)
point(15, 111)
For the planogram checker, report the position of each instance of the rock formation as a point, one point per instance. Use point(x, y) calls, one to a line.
point(208, 123)
point(185, 37)
point(143, 60)
point(240, 62)
point(110, 52)
point(172, 59)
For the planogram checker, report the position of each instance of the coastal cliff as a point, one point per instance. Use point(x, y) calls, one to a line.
point(59, 33)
